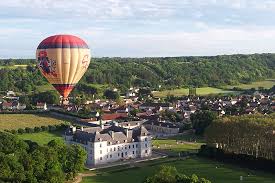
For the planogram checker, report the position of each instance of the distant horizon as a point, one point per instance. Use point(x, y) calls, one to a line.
point(162, 56)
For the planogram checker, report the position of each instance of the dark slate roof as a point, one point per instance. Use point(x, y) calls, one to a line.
point(155, 105)
point(162, 124)
point(112, 134)
point(130, 123)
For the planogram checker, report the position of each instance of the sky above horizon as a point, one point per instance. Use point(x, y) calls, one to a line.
point(141, 28)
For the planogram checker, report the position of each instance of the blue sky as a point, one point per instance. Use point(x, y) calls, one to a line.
point(140, 28)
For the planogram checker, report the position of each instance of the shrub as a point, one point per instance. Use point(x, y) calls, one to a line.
point(52, 128)
point(37, 129)
point(28, 130)
point(21, 131)
point(13, 131)
point(43, 128)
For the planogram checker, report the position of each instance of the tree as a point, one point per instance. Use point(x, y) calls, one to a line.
point(26, 161)
point(171, 116)
point(110, 94)
point(169, 174)
point(201, 120)
point(50, 97)
point(247, 134)
point(144, 92)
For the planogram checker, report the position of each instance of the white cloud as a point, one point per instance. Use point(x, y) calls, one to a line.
point(210, 41)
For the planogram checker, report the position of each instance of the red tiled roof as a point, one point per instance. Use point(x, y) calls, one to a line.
point(7, 104)
point(113, 116)
point(40, 104)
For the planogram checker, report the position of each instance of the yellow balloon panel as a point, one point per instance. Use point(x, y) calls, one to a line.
point(63, 65)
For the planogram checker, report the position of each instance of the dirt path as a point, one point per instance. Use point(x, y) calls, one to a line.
point(79, 177)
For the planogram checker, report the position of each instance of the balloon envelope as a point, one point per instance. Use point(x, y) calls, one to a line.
point(63, 60)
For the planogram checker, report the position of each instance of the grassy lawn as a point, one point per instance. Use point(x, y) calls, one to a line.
point(175, 146)
point(15, 121)
point(179, 143)
point(185, 91)
point(212, 170)
point(266, 84)
point(42, 137)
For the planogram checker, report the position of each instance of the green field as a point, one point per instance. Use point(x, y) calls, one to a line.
point(15, 121)
point(266, 84)
point(42, 137)
point(212, 170)
point(46, 87)
point(185, 91)
point(175, 146)
point(180, 143)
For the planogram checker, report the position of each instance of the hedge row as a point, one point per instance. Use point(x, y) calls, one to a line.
point(24, 112)
point(39, 129)
point(243, 160)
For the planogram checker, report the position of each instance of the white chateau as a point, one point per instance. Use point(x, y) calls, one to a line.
point(112, 143)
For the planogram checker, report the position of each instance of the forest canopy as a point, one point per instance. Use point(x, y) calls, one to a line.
point(151, 72)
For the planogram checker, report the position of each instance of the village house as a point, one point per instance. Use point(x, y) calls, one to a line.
point(14, 105)
point(130, 124)
point(155, 106)
point(161, 128)
point(110, 144)
point(41, 106)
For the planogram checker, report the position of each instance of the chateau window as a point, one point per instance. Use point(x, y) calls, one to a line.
point(100, 145)
point(146, 151)
point(145, 145)
point(133, 146)
point(100, 151)
point(114, 148)
point(133, 152)
point(110, 156)
point(125, 147)
point(145, 139)
point(100, 158)
point(107, 156)
point(118, 154)
point(126, 153)
point(118, 148)
point(110, 149)
point(129, 147)
point(136, 145)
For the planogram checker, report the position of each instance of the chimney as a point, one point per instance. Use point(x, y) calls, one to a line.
point(127, 133)
point(73, 128)
point(112, 134)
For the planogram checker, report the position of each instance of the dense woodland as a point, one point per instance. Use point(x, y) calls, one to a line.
point(166, 71)
point(249, 134)
point(28, 162)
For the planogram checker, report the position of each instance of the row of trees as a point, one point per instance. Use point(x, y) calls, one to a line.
point(169, 174)
point(152, 72)
point(248, 134)
point(27, 162)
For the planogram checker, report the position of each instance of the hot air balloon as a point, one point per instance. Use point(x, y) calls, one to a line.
point(63, 60)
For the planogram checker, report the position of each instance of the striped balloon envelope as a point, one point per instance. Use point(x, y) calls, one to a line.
point(63, 60)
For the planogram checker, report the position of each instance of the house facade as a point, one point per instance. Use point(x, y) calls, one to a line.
point(111, 144)
point(162, 128)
